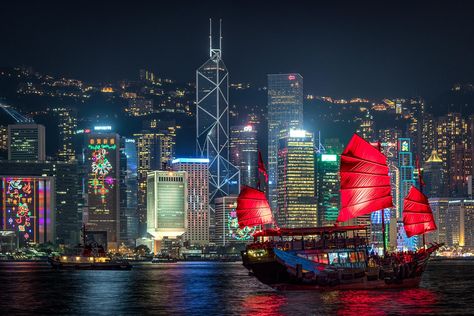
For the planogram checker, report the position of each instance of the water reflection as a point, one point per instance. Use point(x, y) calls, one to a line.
point(409, 302)
point(374, 303)
point(264, 304)
point(218, 289)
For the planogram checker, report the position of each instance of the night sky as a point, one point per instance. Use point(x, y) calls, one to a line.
point(344, 49)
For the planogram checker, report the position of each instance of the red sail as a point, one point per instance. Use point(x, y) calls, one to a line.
point(253, 208)
point(365, 183)
point(417, 215)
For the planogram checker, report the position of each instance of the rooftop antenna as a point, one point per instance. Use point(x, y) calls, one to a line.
point(320, 149)
point(215, 51)
point(220, 37)
point(210, 37)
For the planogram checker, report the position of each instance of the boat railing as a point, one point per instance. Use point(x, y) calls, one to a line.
point(311, 244)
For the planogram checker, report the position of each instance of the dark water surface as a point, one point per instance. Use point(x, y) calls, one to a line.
point(219, 289)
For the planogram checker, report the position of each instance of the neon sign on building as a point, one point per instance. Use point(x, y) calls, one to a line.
point(26, 208)
point(101, 180)
point(235, 232)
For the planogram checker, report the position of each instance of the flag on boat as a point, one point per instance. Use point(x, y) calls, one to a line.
point(261, 166)
point(365, 183)
point(417, 215)
point(253, 208)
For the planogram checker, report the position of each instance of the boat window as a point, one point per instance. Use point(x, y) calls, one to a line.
point(323, 258)
point(343, 257)
point(333, 258)
point(352, 257)
point(361, 256)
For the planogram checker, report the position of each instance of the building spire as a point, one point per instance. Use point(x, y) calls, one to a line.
point(210, 37)
point(220, 37)
point(215, 51)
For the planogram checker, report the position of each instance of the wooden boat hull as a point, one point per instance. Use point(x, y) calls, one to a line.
point(274, 273)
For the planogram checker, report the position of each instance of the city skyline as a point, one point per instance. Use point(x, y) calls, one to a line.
point(217, 155)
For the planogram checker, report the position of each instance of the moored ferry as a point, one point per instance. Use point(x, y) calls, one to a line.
point(337, 257)
point(92, 257)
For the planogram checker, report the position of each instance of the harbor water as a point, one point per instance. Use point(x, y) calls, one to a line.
point(208, 288)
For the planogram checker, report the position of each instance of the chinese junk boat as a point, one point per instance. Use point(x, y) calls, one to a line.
point(92, 257)
point(337, 257)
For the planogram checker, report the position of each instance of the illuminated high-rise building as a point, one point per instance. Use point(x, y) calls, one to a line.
point(197, 232)
point(26, 142)
point(327, 188)
point(413, 110)
point(212, 123)
point(433, 175)
point(285, 112)
point(28, 208)
point(128, 192)
point(166, 205)
point(103, 185)
point(366, 127)
point(405, 181)
point(155, 150)
point(439, 206)
point(297, 203)
point(67, 124)
point(227, 226)
point(459, 222)
point(454, 148)
point(428, 140)
point(244, 153)
point(67, 197)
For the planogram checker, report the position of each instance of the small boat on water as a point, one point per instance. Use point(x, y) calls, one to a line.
point(163, 259)
point(88, 263)
point(337, 257)
point(91, 257)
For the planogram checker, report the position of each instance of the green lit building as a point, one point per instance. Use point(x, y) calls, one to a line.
point(297, 204)
point(327, 188)
point(167, 205)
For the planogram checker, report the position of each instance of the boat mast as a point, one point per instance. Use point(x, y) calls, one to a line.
point(379, 145)
point(420, 181)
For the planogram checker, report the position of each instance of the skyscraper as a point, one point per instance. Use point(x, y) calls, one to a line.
point(129, 192)
point(366, 127)
point(406, 181)
point(439, 207)
point(155, 149)
point(244, 153)
point(285, 112)
point(433, 176)
point(26, 142)
point(297, 203)
point(166, 205)
point(103, 186)
point(413, 110)
point(67, 124)
point(197, 232)
point(454, 148)
point(212, 122)
point(227, 225)
point(65, 193)
point(327, 188)
point(28, 208)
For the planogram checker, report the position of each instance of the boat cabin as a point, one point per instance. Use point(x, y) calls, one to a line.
point(338, 246)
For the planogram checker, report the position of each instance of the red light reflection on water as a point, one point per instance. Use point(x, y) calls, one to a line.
point(374, 303)
point(264, 305)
